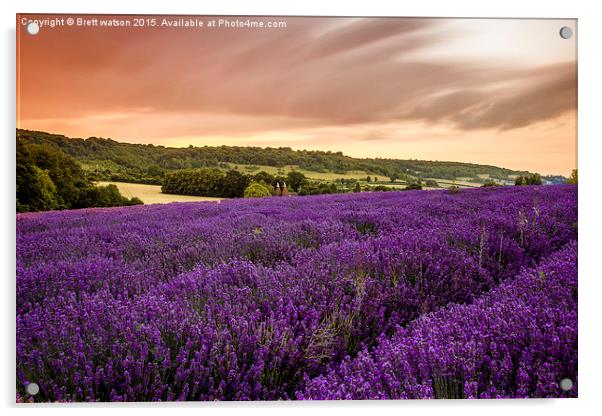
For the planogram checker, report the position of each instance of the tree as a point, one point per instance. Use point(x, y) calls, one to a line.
point(48, 189)
point(295, 180)
point(534, 179)
point(265, 177)
point(257, 190)
point(49, 179)
point(368, 179)
point(199, 182)
point(36, 191)
point(64, 171)
point(573, 179)
point(531, 179)
point(155, 171)
point(394, 176)
point(31, 195)
point(234, 184)
point(357, 188)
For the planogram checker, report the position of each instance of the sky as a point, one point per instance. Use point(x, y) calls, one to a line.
point(500, 92)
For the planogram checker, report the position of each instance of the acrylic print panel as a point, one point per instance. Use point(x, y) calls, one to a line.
point(297, 208)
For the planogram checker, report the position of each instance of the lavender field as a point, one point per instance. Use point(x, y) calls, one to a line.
point(358, 296)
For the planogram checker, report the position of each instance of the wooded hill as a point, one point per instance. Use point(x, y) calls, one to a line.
point(107, 159)
point(49, 179)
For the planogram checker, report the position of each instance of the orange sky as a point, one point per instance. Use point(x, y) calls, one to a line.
point(499, 92)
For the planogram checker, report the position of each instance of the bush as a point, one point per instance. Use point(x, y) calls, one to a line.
point(135, 201)
point(257, 190)
point(103, 196)
point(381, 188)
point(413, 187)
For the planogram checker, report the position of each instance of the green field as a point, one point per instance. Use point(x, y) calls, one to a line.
point(273, 170)
point(151, 194)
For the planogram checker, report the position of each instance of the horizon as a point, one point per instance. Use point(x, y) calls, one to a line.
point(484, 91)
point(293, 149)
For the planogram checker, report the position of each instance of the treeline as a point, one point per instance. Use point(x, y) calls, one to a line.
point(214, 182)
point(533, 179)
point(206, 182)
point(107, 159)
point(49, 179)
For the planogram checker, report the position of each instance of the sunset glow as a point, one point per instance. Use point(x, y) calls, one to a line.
point(499, 92)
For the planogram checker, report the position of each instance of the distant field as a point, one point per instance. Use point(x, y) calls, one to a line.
point(360, 175)
point(252, 169)
point(446, 183)
point(151, 194)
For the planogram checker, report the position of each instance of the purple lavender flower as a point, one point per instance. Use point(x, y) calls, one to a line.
point(363, 296)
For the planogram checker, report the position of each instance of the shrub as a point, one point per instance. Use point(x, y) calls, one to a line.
point(413, 187)
point(103, 196)
point(454, 189)
point(257, 190)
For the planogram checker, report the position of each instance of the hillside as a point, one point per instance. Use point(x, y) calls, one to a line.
point(107, 159)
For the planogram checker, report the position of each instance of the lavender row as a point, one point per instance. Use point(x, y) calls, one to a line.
point(517, 341)
point(132, 249)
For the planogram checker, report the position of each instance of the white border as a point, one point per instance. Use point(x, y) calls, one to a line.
point(590, 135)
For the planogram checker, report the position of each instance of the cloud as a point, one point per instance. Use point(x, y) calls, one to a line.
point(318, 72)
point(526, 97)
